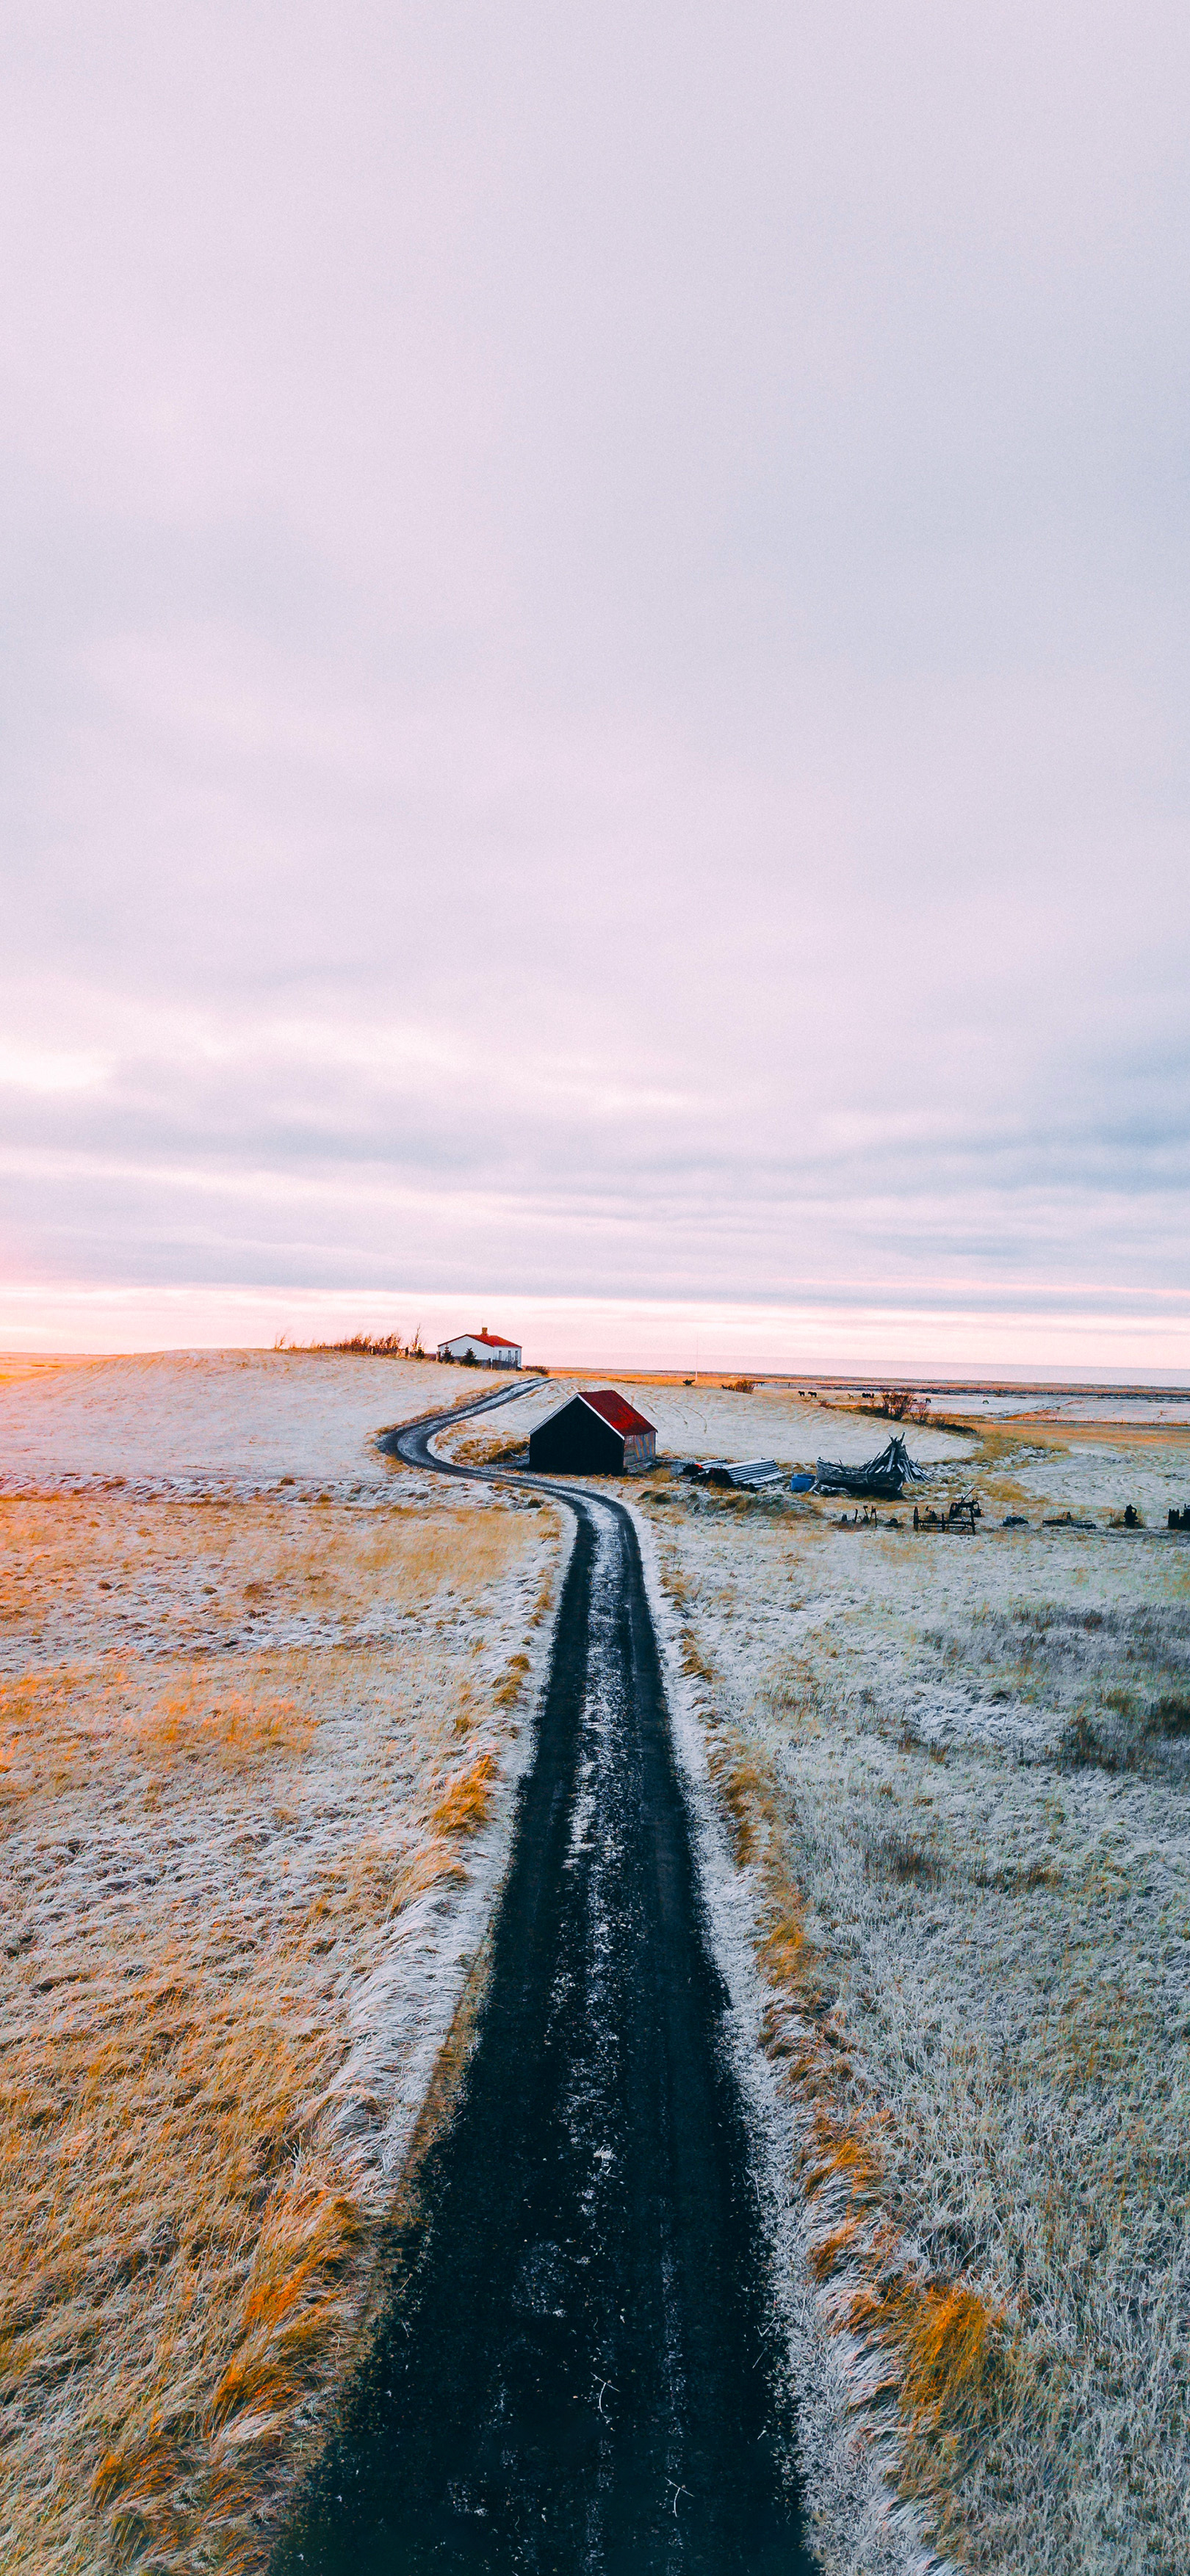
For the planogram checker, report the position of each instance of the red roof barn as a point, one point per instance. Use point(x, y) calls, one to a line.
point(597, 1433)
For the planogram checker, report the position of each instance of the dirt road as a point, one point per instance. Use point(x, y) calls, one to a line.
point(577, 2368)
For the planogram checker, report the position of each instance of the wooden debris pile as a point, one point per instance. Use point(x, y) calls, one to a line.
point(882, 1480)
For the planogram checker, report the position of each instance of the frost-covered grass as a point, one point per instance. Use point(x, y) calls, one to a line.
point(256, 1761)
point(955, 1771)
point(236, 1421)
point(692, 1421)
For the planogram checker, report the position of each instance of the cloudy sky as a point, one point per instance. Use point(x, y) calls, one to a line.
point(595, 678)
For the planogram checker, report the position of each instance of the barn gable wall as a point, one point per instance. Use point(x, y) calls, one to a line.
point(574, 1441)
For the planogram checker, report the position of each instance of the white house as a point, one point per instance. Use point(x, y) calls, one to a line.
point(488, 1350)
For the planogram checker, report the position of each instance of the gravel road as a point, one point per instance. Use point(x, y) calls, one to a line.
point(577, 2367)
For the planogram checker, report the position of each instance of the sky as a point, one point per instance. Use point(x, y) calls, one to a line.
point(595, 678)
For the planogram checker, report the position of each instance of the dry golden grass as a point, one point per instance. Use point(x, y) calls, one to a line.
point(81, 1574)
point(160, 2146)
point(227, 1726)
point(207, 1853)
point(17, 1367)
point(937, 2347)
point(466, 1801)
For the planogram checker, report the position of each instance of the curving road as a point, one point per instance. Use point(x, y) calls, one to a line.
point(576, 2369)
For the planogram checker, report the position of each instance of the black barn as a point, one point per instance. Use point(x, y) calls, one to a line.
point(593, 1434)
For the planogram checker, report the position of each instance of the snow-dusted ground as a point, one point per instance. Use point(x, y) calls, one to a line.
point(958, 1767)
point(250, 1663)
point(264, 1697)
point(216, 1421)
point(693, 1422)
point(1098, 1474)
point(1068, 1404)
point(1088, 1464)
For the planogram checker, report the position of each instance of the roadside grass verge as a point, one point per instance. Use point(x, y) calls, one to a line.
point(937, 2346)
point(232, 1871)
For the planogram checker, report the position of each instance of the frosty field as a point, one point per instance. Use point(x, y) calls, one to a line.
point(262, 1703)
point(263, 1700)
point(953, 1770)
point(956, 1773)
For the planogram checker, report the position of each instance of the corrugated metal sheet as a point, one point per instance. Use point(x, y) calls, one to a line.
point(755, 1471)
point(743, 1472)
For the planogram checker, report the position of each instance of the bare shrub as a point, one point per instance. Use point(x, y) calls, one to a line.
point(899, 1404)
point(359, 1346)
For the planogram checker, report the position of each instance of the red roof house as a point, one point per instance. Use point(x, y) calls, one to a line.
point(488, 1350)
